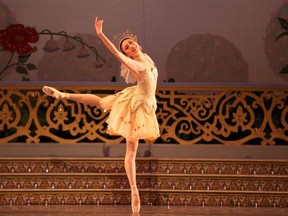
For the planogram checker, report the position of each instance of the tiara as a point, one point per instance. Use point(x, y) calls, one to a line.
point(121, 36)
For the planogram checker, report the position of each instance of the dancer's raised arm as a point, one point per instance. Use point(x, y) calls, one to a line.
point(134, 66)
point(106, 41)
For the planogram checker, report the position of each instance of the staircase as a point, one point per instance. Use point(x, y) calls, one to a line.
point(187, 182)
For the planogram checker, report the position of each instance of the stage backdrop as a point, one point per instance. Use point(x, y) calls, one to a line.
point(231, 41)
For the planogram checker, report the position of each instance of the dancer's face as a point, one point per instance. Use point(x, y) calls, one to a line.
point(130, 47)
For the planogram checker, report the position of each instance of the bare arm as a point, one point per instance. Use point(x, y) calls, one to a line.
point(105, 40)
point(134, 67)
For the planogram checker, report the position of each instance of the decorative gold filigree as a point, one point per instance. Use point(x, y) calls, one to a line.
point(186, 115)
point(245, 116)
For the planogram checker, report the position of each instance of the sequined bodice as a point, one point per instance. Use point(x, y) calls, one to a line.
point(147, 86)
point(145, 91)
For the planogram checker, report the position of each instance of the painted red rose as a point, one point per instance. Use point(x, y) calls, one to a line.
point(16, 38)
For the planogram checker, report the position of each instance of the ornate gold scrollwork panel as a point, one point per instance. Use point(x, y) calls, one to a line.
point(186, 115)
point(231, 116)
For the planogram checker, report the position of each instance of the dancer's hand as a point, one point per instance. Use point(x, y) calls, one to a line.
point(98, 25)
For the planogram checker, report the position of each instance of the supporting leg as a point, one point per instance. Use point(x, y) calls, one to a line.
point(130, 167)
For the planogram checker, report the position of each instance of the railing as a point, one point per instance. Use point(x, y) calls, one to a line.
point(187, 114)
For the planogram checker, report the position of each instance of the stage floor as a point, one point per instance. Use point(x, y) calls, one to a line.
point(125, 210)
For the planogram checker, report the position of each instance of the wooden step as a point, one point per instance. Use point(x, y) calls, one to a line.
point(148, 197)
point(213, 182)
point(144, 165)
point(145, 180)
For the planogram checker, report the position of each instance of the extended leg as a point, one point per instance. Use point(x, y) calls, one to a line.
point(89, 99)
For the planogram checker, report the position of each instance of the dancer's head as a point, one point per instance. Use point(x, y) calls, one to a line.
point(127, 43)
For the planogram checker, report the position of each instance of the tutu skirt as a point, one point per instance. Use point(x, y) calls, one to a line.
point(131, 116)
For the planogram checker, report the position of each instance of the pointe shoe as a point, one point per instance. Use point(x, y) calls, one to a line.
point(135, 202)
point(53, 92)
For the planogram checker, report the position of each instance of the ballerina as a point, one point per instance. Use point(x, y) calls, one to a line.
point(132, 110)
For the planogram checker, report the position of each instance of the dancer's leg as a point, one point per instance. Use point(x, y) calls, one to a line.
point(130, 167)
point(130, 163)
point(89, 99)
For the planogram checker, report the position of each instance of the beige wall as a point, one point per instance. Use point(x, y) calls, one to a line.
point(159, 24)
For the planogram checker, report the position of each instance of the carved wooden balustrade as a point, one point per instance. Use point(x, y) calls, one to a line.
point(187, 114)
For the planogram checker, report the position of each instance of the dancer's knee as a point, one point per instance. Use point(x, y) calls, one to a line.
point(106, 102)
point(131, 148)
point(132, 145)
point(101, 103)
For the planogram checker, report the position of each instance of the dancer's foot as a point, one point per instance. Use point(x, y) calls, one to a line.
point(54, 92)
point(135, 200)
